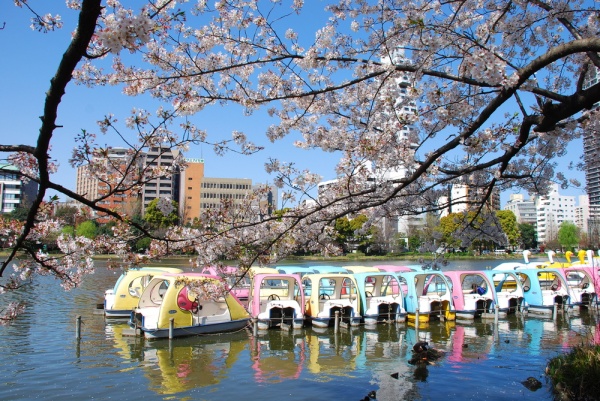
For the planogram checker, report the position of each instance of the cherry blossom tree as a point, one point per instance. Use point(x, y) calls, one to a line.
point(493, 89)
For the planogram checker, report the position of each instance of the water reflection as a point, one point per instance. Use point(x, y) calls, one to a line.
point(481, 360)
point(173, 367)
point(278, 355)
point(381, 352)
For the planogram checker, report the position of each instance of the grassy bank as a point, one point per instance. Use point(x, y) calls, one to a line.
point(576, 376)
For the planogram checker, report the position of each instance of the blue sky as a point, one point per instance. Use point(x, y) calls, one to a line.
point(30, 60)
point(33, 60)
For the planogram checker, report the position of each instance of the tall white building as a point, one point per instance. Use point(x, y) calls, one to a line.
point(463, 197)
point(582, 213)
point(404, 105)
point(591, 149)
point(166, 186)
point(552, 210)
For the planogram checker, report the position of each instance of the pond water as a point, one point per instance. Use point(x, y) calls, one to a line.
point(42, 359)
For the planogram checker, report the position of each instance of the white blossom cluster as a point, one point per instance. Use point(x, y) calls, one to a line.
point(124, 30)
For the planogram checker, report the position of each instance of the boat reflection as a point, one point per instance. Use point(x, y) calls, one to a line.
point(278, 355)
point(471, 343)
point(185, 364)
point(379, 357)
point(332, 355)
point(563, 333)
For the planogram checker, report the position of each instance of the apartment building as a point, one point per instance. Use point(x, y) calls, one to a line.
point(552, 210)
point(164, 186)
point(116, 168)
point(13, 189)
point(213, 190)
point(464, 197)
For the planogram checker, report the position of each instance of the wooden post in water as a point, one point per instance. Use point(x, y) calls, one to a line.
point(336, 322)
point(171, 325)
point(78, 327)
point(496, 313)
point(555, 311)
point(417, 319)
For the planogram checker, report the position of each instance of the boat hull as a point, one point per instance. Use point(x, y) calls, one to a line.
point(321, 322)
point(117, 313)
point(215, 328)
point(266, 324)
point(374, 319)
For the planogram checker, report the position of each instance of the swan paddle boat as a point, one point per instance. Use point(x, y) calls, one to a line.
point(187, 304)
point(330, 293)
point(381, 297)
point(277, 300)
point(584, 285)
point(472, 293)
point(508, 291)
point(428, 295)
point(543, 288)
point(120, 300)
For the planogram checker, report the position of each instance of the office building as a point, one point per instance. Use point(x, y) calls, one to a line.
point(190, 198)
point(523, 209)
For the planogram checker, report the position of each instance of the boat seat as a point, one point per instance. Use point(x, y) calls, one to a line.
point(184, 302)
point(212, 308)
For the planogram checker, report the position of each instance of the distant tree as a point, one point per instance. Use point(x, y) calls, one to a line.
point(481, 230)
point(429, 232)
point(472, 229)
point(49, 242)
point(87, 229)
point(106, 229)
point(142, 244)
point(528, 236)
point(68, 230)
point(399, 242)
point(375, 243)
point(448, 226)
point(348, 235)
point(414, 242)
point(161, 213)
point(67, 214)
point(510, 227)
point(584, 240)
point(568, 235)
point(18, 213)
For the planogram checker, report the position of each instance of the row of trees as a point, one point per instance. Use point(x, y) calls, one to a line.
point(472, 231)
point(77, 222)
point(464, 231)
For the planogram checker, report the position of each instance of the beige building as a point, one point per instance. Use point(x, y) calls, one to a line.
point(190, 192)
point(213, 190)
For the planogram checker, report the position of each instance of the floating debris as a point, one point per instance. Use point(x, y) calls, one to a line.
point(423, 354)
point(532, 383)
